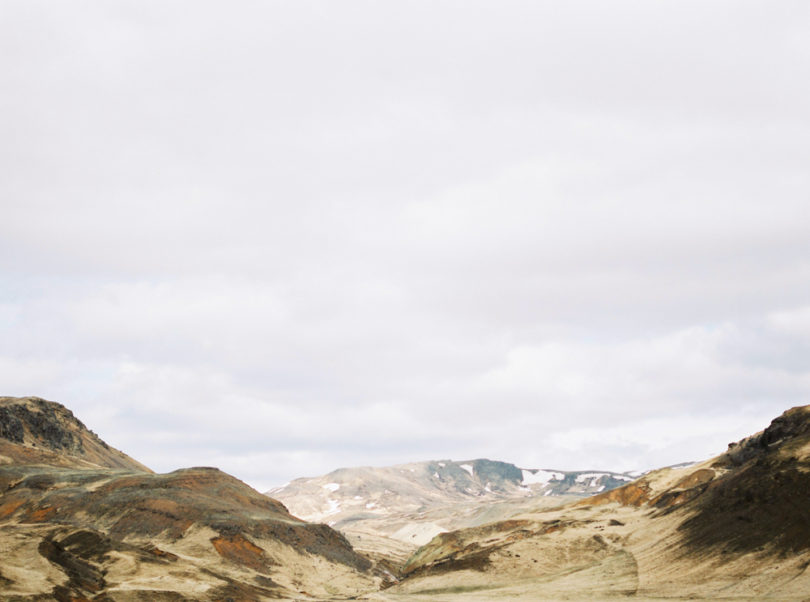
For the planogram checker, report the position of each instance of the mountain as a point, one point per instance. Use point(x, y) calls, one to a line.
point(33, 430)
point(415, 487)
point(80, 520)
point(387, 512)
point(733, 527)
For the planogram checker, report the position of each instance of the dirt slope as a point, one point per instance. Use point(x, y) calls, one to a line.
point(33, 430)
point(734, 527)
point(74, 525)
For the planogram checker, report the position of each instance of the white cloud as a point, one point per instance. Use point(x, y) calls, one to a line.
point(794, 322)
point(355, 233)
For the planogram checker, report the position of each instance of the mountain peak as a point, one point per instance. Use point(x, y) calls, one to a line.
point(37, 431)
point(791, 426)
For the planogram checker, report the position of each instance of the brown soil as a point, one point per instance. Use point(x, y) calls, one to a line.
point(240, 550)
point(632, 494)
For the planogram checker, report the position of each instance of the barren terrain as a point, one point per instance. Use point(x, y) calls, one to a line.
point(79, 520)
point(734, 527)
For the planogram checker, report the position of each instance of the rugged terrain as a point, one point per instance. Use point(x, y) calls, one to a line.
point(733, 527)
point(80, 520)
point(390, 511)
point(33, 431)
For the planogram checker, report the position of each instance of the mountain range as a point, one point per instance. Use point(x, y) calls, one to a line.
point(390, 511)
point(80, 520)
point(348, 493)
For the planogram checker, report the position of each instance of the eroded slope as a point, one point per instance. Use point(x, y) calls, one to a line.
point(736, 526)
point(33, 430)
point(73, 530)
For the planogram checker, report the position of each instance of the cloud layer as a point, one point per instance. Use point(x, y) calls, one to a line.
point(284, 237)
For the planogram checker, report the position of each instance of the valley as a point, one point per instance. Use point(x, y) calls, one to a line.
point(391, 511)
point(80, 520)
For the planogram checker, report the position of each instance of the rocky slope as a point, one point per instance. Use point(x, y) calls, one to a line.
point(81, 521)
point(733, 527)
point(33, 430)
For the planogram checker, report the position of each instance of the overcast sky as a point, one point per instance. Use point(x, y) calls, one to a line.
point(286, 237)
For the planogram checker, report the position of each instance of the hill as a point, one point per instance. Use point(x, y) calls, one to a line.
point(33, 430)
point(732, 527)
point(80, 520)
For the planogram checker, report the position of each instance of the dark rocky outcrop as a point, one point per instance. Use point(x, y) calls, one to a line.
point(793, 424)
point(36, 431)
point(11, 427)
point(762, 502)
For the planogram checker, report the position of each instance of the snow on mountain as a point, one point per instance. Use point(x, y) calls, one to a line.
point(368, 492)
point(540, 477)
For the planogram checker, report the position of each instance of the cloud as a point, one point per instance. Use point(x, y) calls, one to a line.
point(289, 237)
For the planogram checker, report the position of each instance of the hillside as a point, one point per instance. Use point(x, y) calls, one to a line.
point(79, 520)
point(733, 527)
point(33, 430)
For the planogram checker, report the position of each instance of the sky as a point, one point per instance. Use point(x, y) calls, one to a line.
point(284, 237)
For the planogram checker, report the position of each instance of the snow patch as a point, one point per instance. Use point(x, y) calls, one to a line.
point(468, 468)
point(370, 505)
point(332, 487)
point(334, 507)
point(590, 476)
point(540, 477)
point(442, 464)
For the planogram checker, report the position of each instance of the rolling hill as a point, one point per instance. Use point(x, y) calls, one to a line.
point(80, 520)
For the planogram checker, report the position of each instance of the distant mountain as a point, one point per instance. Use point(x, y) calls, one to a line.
point(386, 513)
point(80, 520)
point(351, 493)
point(733, 527)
